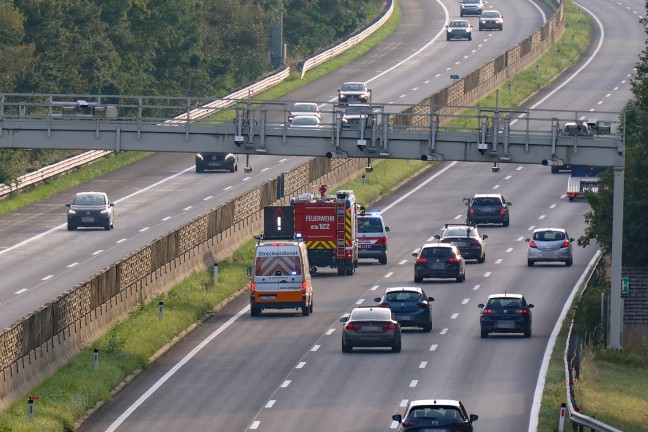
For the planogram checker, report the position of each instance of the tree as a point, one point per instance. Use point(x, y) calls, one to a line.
point(16, 56)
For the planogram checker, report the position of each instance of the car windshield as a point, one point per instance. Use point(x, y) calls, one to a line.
point(353, 87)
point(403, 296)
point(490, 15)
point(367, 225)
point(305, 108)
point(306, 121)
point(356, 110)
point(436, 252)
point(87, 199)
point(548, 236)
point(458, 24)
point(437, 413)
point(381, 314)
point(471, 1)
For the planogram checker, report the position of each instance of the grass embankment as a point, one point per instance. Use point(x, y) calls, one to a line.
point(66, 396)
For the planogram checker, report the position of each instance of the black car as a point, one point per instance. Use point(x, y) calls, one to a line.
point(90, 209)
point(488, 208)
point(429, 415)
point(216, 161)
point(505, 313)
point(467, 238)
point(370, 327)
point(491, 19)
point(410, 306)
point(439, 260)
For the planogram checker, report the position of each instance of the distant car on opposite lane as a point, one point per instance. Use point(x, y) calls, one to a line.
point(471, 7)
point(410, 306)
point(305, 121)
point(92, 210)
point(550, 245)
point(354, 92)
point(459, 29)
point(505, 313)
point(216, 161)
point(305, 108)
point(491, 19)
point(370, 327)
point(430, 415)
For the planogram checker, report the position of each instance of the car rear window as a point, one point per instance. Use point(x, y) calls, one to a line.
point(436, 252)
point(404, 296)
point(460, 233)
point(371, 314)
point(369, 225)
point(89, 200)
point(437, 412)
point(504, 303)
point(485, 202)
point(305, 108)
point(548, 236)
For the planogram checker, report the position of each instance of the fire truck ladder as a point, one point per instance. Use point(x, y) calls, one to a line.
point(340, 220)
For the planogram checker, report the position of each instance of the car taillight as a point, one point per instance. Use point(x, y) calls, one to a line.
point(390, 326)
point(453, 259)
point(487, 311)
point(421, 260)
point(422, 305)
point(407, 424)
point(252, 287)
point(472, 211)
point(523, 311)
point(532, 244)
point(381, 241)
point(304, 286)
point(352, 326)
point(383, 304)
point(502, 211)
point(565, 244)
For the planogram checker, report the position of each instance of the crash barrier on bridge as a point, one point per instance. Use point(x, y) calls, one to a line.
point(349, 43)
point(489, 77)
point(36, 346)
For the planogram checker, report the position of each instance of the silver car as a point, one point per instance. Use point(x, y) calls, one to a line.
point(550, 245)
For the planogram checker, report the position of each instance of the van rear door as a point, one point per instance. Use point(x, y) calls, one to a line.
point(278, 269)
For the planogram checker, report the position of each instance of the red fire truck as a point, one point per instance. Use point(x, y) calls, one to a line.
point(327, 226)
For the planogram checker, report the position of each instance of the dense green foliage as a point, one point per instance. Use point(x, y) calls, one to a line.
point(635, 207)
point(156, 47)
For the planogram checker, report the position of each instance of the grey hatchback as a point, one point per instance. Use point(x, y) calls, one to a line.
point(410, 306)
point(550, 245)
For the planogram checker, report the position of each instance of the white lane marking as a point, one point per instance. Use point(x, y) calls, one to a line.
point(563, 196)
point(430, 239)
point(247, 178)
point(487, 274)
point(444, 331)
point(374, 288)
point(507, 177)
point(394, 424)
point(403, 262)
point(476, 287)
point(499, 261)
point(283, 160)
point(434, 347)
point(509, 250)
point(228, 188)
point(389, 274)
point(73, 264)
point(360, 301)
point(519, 168)
point(465, 301)
point(422, 365)
point(415, 88)
point(208, 198)
point(300, 365)
point(265, 169)
point(21, 291)
point(315, 348)
point(121, 240)
point(454, 316)
point(285, 384)
point(532, 227)
point(255, 424)
point(496, 187)
point(413, 383)
point(458, 217)
point(552, 206)
point(542, 217)
point(187, 208)
point(270, 403)
point(174, 370)
point(519, 238)
point(144, 229)
point(97, 252)
point(166, 218)
point(329, 332)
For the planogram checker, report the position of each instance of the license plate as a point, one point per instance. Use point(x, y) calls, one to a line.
point(438, 266)
point(267, 297)
point(364, 246)
point(505, 324)
point(403, 317)
point(87, 219)
point(370, 328)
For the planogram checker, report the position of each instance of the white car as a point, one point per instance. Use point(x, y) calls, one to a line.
point(305, 121)
point(354, 92)
point(550, 245)
point(305, 109)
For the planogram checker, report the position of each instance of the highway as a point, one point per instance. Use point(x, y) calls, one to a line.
point(287, 372)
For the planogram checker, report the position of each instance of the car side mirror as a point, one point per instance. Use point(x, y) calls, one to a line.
point(414, 254)
point(480, 305)
point(68, 205)
point(527, 240)
point(387, 229)
point(112, 204)
point(571, 239)
point(473, 417)
point(437, 236)
point(397, 418)
point(430, 298)
point(249, 271)
point(485, 236)
point(509, 204)
point(377, 299)
point(344, 319)
point(530, 305)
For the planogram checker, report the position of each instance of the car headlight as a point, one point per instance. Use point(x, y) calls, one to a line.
point(449, 30)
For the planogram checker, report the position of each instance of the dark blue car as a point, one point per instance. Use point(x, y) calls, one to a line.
point(410, 306)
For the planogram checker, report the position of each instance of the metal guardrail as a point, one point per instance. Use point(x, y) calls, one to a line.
point(578, 420)
point(349, 43)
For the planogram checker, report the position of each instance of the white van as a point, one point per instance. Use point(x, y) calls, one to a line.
point(281, 277)
point(372, 236)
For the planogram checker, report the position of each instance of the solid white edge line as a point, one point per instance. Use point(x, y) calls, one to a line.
point(173, 370)
point(542, 374)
